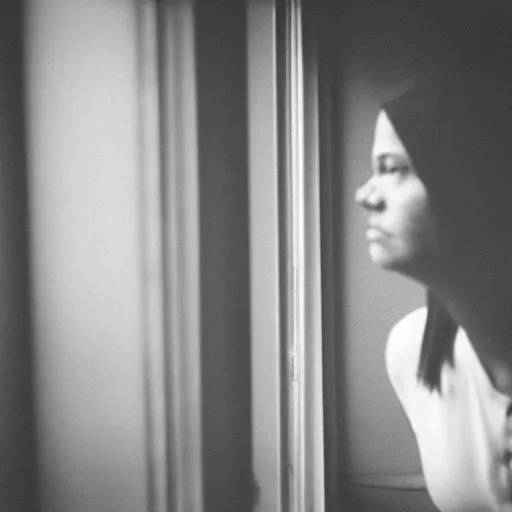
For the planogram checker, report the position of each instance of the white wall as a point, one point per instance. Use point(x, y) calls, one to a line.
point(81, 87)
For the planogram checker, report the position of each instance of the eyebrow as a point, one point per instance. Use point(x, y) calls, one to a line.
point(382, 156)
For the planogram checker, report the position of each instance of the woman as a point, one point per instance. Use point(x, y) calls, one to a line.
point(439, 209)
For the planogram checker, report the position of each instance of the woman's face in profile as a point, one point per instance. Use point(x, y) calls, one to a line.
point(402, 233)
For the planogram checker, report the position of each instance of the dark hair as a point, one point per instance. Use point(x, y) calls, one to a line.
point(456, 125)
point(437, 347)
point(458, 133)
point(415, 116)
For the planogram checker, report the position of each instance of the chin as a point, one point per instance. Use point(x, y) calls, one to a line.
point(381, 257)
point(386, 264)
point(405, 263)
point(390, 262)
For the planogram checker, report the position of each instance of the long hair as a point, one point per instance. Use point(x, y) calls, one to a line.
point(458, 133)
point(457, 128)
point(437, 348)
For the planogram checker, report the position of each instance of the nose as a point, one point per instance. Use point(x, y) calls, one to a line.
point(369, 197)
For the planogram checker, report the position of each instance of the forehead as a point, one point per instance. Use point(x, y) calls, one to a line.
point(385, 139)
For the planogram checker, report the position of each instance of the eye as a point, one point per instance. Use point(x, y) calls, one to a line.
point(393, 169)
point(389, 165)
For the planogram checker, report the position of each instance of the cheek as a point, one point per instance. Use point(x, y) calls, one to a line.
point(411, 215)
point(420, 226)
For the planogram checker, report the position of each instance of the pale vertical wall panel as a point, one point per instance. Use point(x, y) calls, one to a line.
point(264, 256)
point(82, 106)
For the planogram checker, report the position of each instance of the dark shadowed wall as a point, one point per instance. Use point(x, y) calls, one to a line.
point(225, 323)
point(17, 448)
point(378, 58)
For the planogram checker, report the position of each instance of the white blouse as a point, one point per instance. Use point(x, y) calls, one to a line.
point(460, 432)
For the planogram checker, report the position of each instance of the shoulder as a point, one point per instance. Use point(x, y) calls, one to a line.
point(403, 348)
